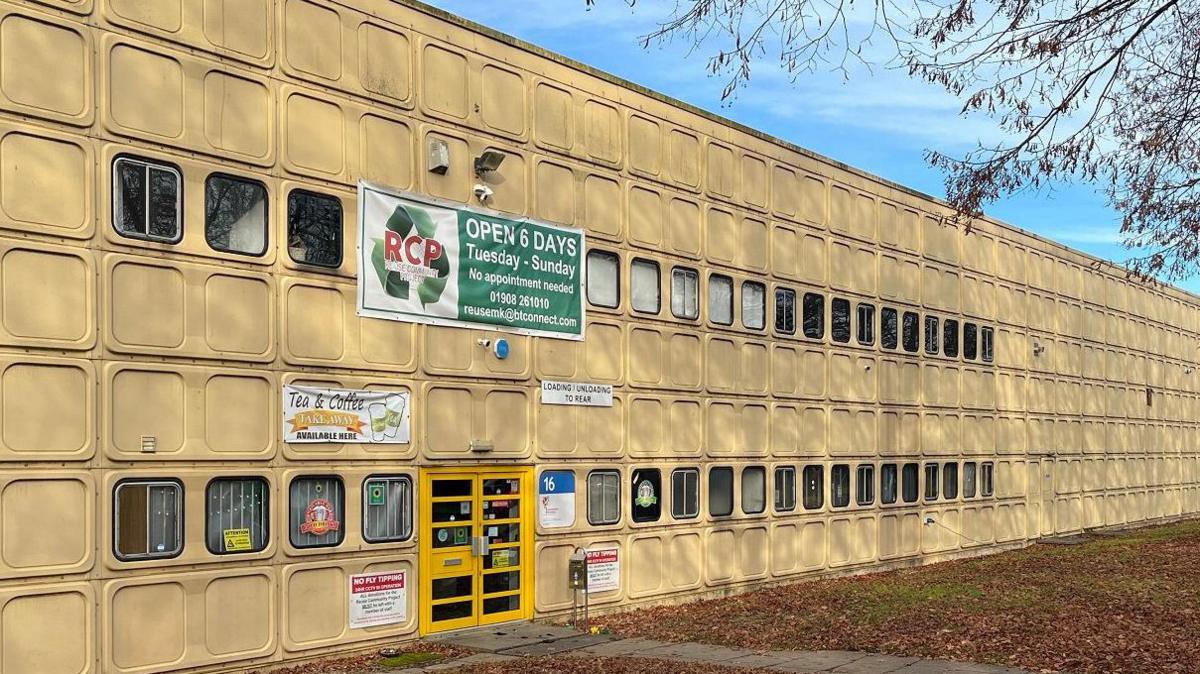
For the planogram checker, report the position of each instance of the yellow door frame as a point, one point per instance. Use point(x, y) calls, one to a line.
point(426, 572)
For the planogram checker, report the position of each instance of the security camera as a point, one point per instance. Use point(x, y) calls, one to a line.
point(483, 193)
point(488, 162)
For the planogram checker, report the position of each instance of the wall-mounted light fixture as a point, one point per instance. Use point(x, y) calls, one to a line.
point(488, 162)
point(1038, 349)
point(482, 445)
point(439, 156)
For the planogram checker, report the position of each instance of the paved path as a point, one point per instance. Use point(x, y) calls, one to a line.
point(516, 640)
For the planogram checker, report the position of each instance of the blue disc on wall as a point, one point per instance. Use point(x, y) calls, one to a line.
point(501, 348)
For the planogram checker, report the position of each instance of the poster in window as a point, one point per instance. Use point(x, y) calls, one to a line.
point(313, 415)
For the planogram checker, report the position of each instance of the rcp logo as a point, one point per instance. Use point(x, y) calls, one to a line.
point(408, 254)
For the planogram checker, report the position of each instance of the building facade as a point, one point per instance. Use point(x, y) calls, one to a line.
point(809, 373)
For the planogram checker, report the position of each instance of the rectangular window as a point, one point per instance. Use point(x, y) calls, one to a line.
point(720, 492)
point(785, 311)
point(864, 492)
point(911, 476)
point(685, 493)
point(950, 338)
point(910, 337)
point(889, 479)
point(720, 299)
point(932, 335)
point(814, 487)
point(839, 486)
point(644, 286)
point(237, 514)
point(235, 214)
point(604, 497)
point(969, 468)
point(147, 200)
point(969, 345)
point(147, 519)
point(754, 490)
point(754, 305)
point(814, 315)
point(603, 279)
point(387, 508)
point(685, 293)
point(840, 319)
point(315, 228)
point(889, 328)
point(987, 338)
point(646, 491)
point(986, 479)
point(950, 481)
point(785, 488)
point(866, 324)
point(931, 481)
point(316, 511)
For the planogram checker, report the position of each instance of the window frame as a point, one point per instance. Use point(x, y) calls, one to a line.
point(180, 514)
point(987, 479)
point(971, 469)
point(987, 344)
point(784, 475)
point(761, 471)
point(932, 481)
point(834, 333)
point(266, 509)
point(147, 163)
point(970, 340)
point(819, 313)
point(916, 332)
point(266, 213)
point(950, 479)
point(819, 482)
point(695, 473)
point(950, 326)
point(644, 262)
point(341, 237)
point(723, 470)
point(603, 473)
point(889, 315)
point(389, 477)
point(836, 500)
point(723, 278)
point(782, 292)
point(867, 483)
point(932, 327)
point(341, 530)
point(864, 314)
point(884, 469)
point(910, 474)
point(694, 274)
point(656, 507)
point(762, 288)
point(587, 282)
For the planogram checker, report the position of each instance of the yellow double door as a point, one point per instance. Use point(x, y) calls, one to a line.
point(475, 561)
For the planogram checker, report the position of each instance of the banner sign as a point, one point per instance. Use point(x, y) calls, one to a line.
point(577, 393)
point(378, 599)
point(425, 262)
point(343, 415)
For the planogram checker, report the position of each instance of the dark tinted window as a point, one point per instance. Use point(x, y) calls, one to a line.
point(864, 488)
point(950, 338)
point(911, 338)
point(235, 215)
point(646, 492)
point(840, 320)
point(814, 487)
point(866, 324)
point(889, 478)
point(970, 346)
point(889, 328)
point(931, 481)
point(814, 316)
point(315, 228)
point(720, 492)
point(988, 346)
point(785, 311)
point(950, 481)
point(147, 199)
point(932, 336)
point(911, 477)
point(839, 486)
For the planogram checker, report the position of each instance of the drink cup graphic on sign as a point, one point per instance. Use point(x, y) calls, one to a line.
point(395, 415)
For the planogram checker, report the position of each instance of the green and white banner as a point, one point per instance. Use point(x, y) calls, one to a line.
point(424, 261)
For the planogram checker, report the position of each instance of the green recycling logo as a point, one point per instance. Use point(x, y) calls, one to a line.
point(409, 254)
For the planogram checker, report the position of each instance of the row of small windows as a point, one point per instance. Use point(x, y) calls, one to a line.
point(148, 519)
point(898, 330)
point(896, 481)
point(148, 204)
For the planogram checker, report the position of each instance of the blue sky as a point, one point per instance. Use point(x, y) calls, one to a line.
point(879, 120)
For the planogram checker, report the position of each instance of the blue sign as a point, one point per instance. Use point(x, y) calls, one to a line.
point(501, 348)
point(556, 499)
point(557, 482)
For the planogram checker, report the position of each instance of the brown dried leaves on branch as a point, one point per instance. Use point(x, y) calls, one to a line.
point(1101, 91)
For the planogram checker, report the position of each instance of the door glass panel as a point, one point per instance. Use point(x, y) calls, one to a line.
point(498, 487)
point(451, 537)
point(501, 582)
point(451, 511)
point(502, 509)
point(503, 533)
point(502, 604)
point(451, 488)
point(460, 609)
point(502, 559)
point(447, 588)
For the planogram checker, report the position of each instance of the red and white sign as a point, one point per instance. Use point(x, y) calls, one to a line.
point(378, 599)
point(604, 570)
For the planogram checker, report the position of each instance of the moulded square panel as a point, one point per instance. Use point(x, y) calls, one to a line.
point(753, 375)
point(785, 192)
point(813, 259)
point(506, 421)
point(237, 114)
point(646, 566)
point(388, 344)
point(721, 236)
point(164, 15)
point(813, 376)
point(785, 427)
point(444, 81)
point(683, 361)
point(898, 228)
point(812, 200)
point(645, 357)
point(385, 62)
point(147, 403)
point(240, 26)
point(645, 145)
point(684, 158)
point(723, 361)
point(46, 524)
point(813, 546)
point(553, 116)
point(602, 206)
point(645, 217)
point(720, 177)
point(604, 352)
point(312, 39)
point(236, 410)
point(456, 351)
point(722, 421)
point(685, 436)
point(852, 213)
point(46, 297)
point(46, 184)
point(899, 433)
point(852, 432)
point(754, 549)
point(683, 231)
point(602, 129)
point(503, 100)
point(979, 252)
point(135, 610)
point(386, 148)
point(314, 321)
point(145, 91)
point(686, 555)
point(755, 430)
point(554, 192)
point(839, 541)
point(785, 548)
point(45, 68)
point(754, 181)
point(47, 630)
point(315, 134)
point(237, 314)
point(752, 244)
point(34, 392)
point(785, 251)
point(720, 556)
point(239, 614)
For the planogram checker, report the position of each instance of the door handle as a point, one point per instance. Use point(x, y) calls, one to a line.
point(479, 546)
